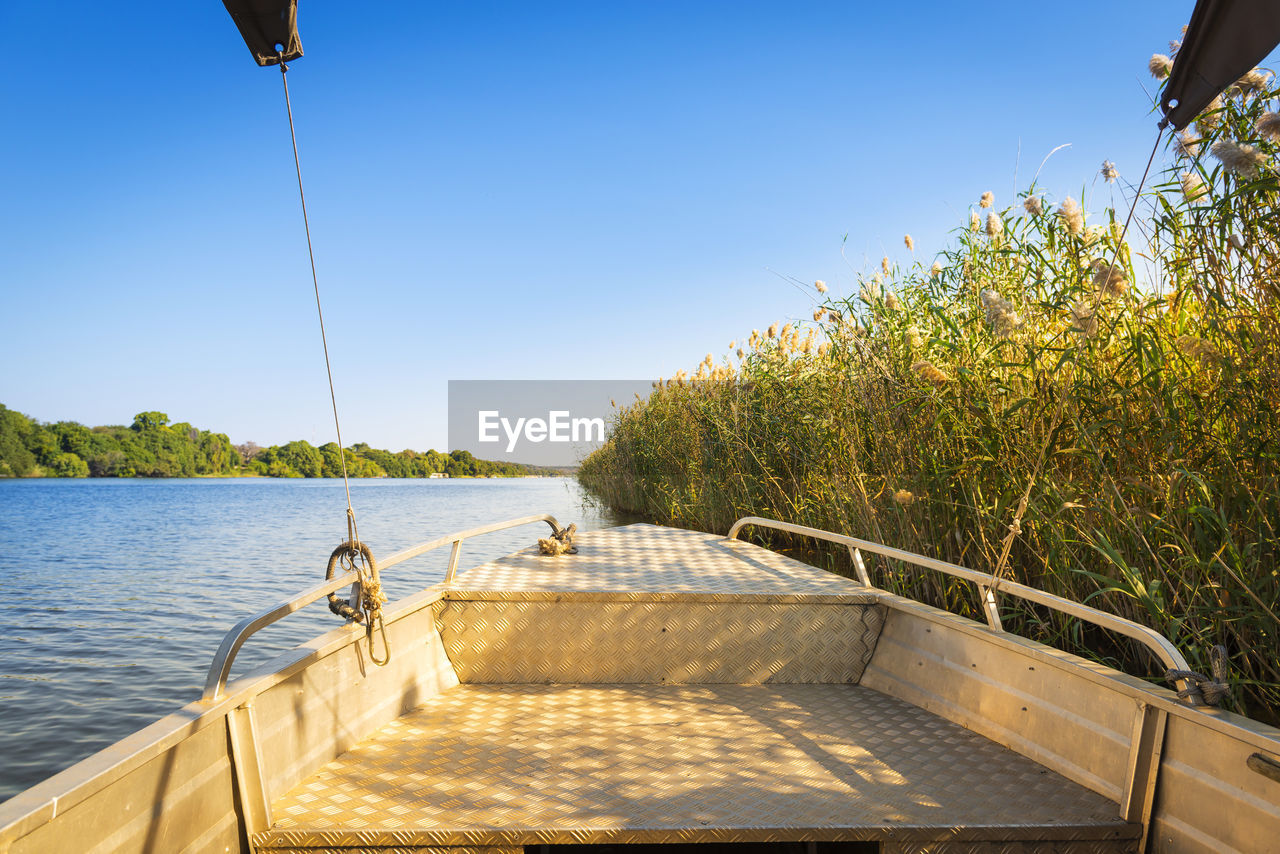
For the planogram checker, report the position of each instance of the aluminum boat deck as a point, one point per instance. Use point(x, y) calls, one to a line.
point(664, 686)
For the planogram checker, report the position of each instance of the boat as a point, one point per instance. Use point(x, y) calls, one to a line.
point(669, 687)
point(648, 686)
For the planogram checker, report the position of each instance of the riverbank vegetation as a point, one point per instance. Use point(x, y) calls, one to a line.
point(152, 447)
point(1094, 417)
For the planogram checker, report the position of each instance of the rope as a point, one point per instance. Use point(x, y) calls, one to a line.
point(352, 534)
point(559, 543)
point(366, 606)
point(1212, 690)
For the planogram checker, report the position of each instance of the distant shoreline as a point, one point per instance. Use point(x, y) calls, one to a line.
point(153, 448)
point(254, 475)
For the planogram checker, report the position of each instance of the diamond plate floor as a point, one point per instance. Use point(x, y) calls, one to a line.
point(648, 563)
point(507, 765)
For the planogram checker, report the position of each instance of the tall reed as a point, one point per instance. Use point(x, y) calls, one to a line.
point(1111, 430)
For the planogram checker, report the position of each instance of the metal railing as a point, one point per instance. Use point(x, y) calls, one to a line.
point(988, 585)
point(220, 668)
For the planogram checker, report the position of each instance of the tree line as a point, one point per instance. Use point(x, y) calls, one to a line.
point(152, 447)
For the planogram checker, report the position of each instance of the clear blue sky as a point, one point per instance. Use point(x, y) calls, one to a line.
point(501, 191)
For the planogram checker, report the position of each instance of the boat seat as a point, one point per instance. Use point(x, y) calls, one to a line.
point(657, 605)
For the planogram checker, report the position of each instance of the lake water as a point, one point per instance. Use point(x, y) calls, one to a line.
point(115, 593)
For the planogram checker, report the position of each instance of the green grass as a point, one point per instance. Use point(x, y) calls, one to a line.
point(1126, 428)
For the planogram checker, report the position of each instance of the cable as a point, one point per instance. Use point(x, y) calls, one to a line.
point(342, 456)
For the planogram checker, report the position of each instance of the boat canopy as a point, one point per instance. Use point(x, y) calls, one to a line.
point(1225, 39)
point(269, 28)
